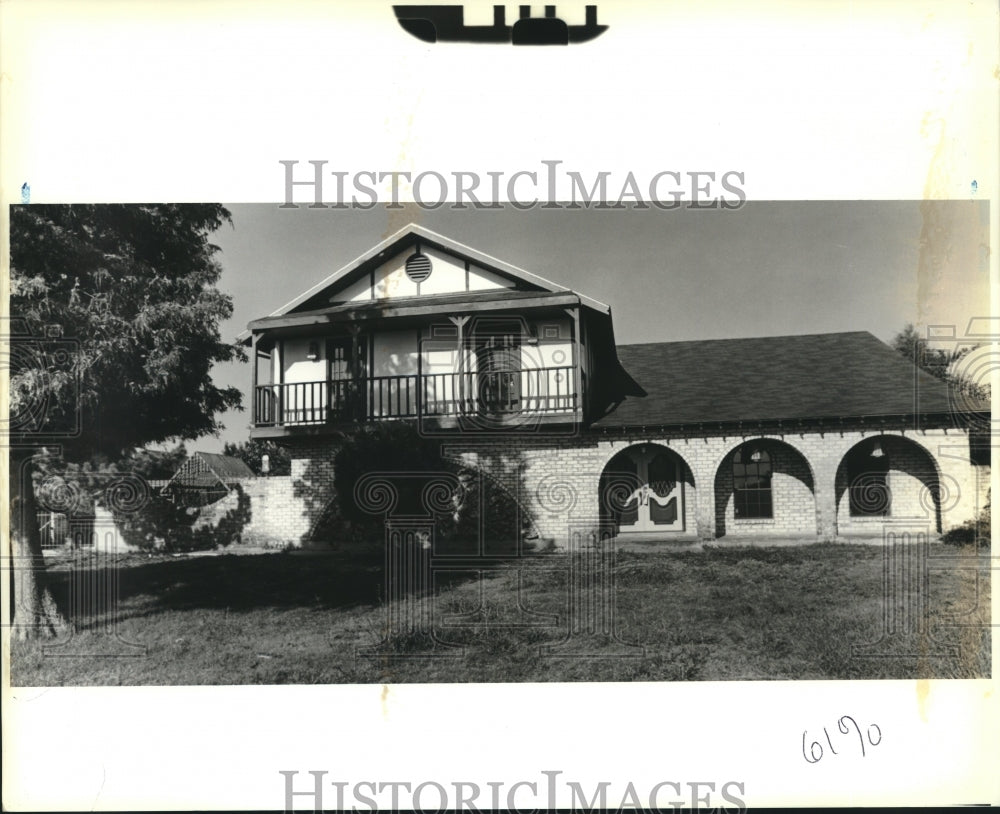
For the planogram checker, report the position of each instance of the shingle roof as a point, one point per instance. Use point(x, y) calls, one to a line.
point(226, 467)
point(773, 378)
point(207, 469)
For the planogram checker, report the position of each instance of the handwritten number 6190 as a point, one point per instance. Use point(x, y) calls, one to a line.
point(815, 751)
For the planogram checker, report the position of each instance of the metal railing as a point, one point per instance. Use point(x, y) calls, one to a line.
point(535, 391)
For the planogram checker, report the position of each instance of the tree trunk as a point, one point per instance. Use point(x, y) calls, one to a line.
point(34, 612)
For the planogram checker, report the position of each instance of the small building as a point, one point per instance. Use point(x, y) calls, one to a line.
point(206, 477)
point(821, 436)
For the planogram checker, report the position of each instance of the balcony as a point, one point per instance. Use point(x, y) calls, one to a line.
point(497, 395)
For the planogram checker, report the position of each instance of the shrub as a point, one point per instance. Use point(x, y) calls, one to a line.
point(975, 531)
point(476, 507)
point(394, 448)
point(485, 510)
point(251, 452)
point(172, 525)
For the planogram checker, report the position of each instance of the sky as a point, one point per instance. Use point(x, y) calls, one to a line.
point(765, 269)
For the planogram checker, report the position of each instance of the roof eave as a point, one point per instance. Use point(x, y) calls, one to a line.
point(413, 307)
point(797, 421)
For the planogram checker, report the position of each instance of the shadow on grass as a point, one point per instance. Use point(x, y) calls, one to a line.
point(321, 581)
point(91, 592)
point(230, 581)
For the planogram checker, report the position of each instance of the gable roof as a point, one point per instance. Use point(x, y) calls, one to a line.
point(411, 234)
point(773, 378)
point(205, 469)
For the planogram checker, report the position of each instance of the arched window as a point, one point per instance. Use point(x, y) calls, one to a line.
point(752, 483)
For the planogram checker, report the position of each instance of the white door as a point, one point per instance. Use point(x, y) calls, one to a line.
point(657, 504)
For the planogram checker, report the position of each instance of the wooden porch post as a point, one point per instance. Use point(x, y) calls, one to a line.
point(254, 418)
point(577, 362)
point(357, 390)
point(459, 323)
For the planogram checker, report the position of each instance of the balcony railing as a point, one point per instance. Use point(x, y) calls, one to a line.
point(536, 391)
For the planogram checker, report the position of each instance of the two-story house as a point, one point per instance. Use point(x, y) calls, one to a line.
point(817, 436)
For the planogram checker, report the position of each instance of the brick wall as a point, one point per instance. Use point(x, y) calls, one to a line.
point(557, 481)
point(792, 495)
point(284, 509)
point(277, 515)
point(561, 477)
point(910, 480)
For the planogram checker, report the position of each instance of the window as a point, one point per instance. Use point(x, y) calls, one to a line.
point(339, 351)
point(752, 484)
point(868, 481)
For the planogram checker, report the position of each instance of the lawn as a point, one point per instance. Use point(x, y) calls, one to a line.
point(802, 612)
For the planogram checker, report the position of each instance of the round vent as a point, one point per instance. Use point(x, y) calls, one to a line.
point(418, 267)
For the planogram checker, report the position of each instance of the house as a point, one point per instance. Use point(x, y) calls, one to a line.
point(206, 477)
point(821, 436)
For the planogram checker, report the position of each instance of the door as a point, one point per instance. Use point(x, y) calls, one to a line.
point(343, 392)
point(657, 503)
point(498, 373)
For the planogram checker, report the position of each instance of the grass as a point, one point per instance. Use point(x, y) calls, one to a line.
point(806, 612)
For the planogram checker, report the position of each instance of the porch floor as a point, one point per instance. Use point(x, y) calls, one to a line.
point(659, 541)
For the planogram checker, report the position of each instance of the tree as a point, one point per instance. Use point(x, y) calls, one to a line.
point(251, 452)
point(128, 293)
point(939, 362)
point(473, 511)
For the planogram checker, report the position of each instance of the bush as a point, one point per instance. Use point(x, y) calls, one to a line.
point(486, 511)
point(172, 525)
point(469, 506)
point(971, 532)
point(394, 448)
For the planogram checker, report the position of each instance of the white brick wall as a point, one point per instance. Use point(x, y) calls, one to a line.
point(561, 478)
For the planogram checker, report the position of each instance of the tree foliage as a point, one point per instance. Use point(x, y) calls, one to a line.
point(474, 509)
point(130, 292)
point(74, 487)
point(939, 362)
point(251, 452)
point(173, 525)
point(133, 288)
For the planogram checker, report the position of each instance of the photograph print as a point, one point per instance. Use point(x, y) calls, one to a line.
point(255, 444)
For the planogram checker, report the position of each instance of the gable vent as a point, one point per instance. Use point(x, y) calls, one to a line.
point(418, 267)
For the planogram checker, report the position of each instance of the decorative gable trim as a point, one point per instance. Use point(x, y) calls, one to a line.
point(365, 265)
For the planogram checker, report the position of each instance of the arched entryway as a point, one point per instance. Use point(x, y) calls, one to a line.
point(886, 477)
point(647, 489)
point(764, 486)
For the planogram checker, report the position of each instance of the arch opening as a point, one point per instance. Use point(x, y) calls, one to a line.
point(647, 489)
point(886, 478)
point(764, 486)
